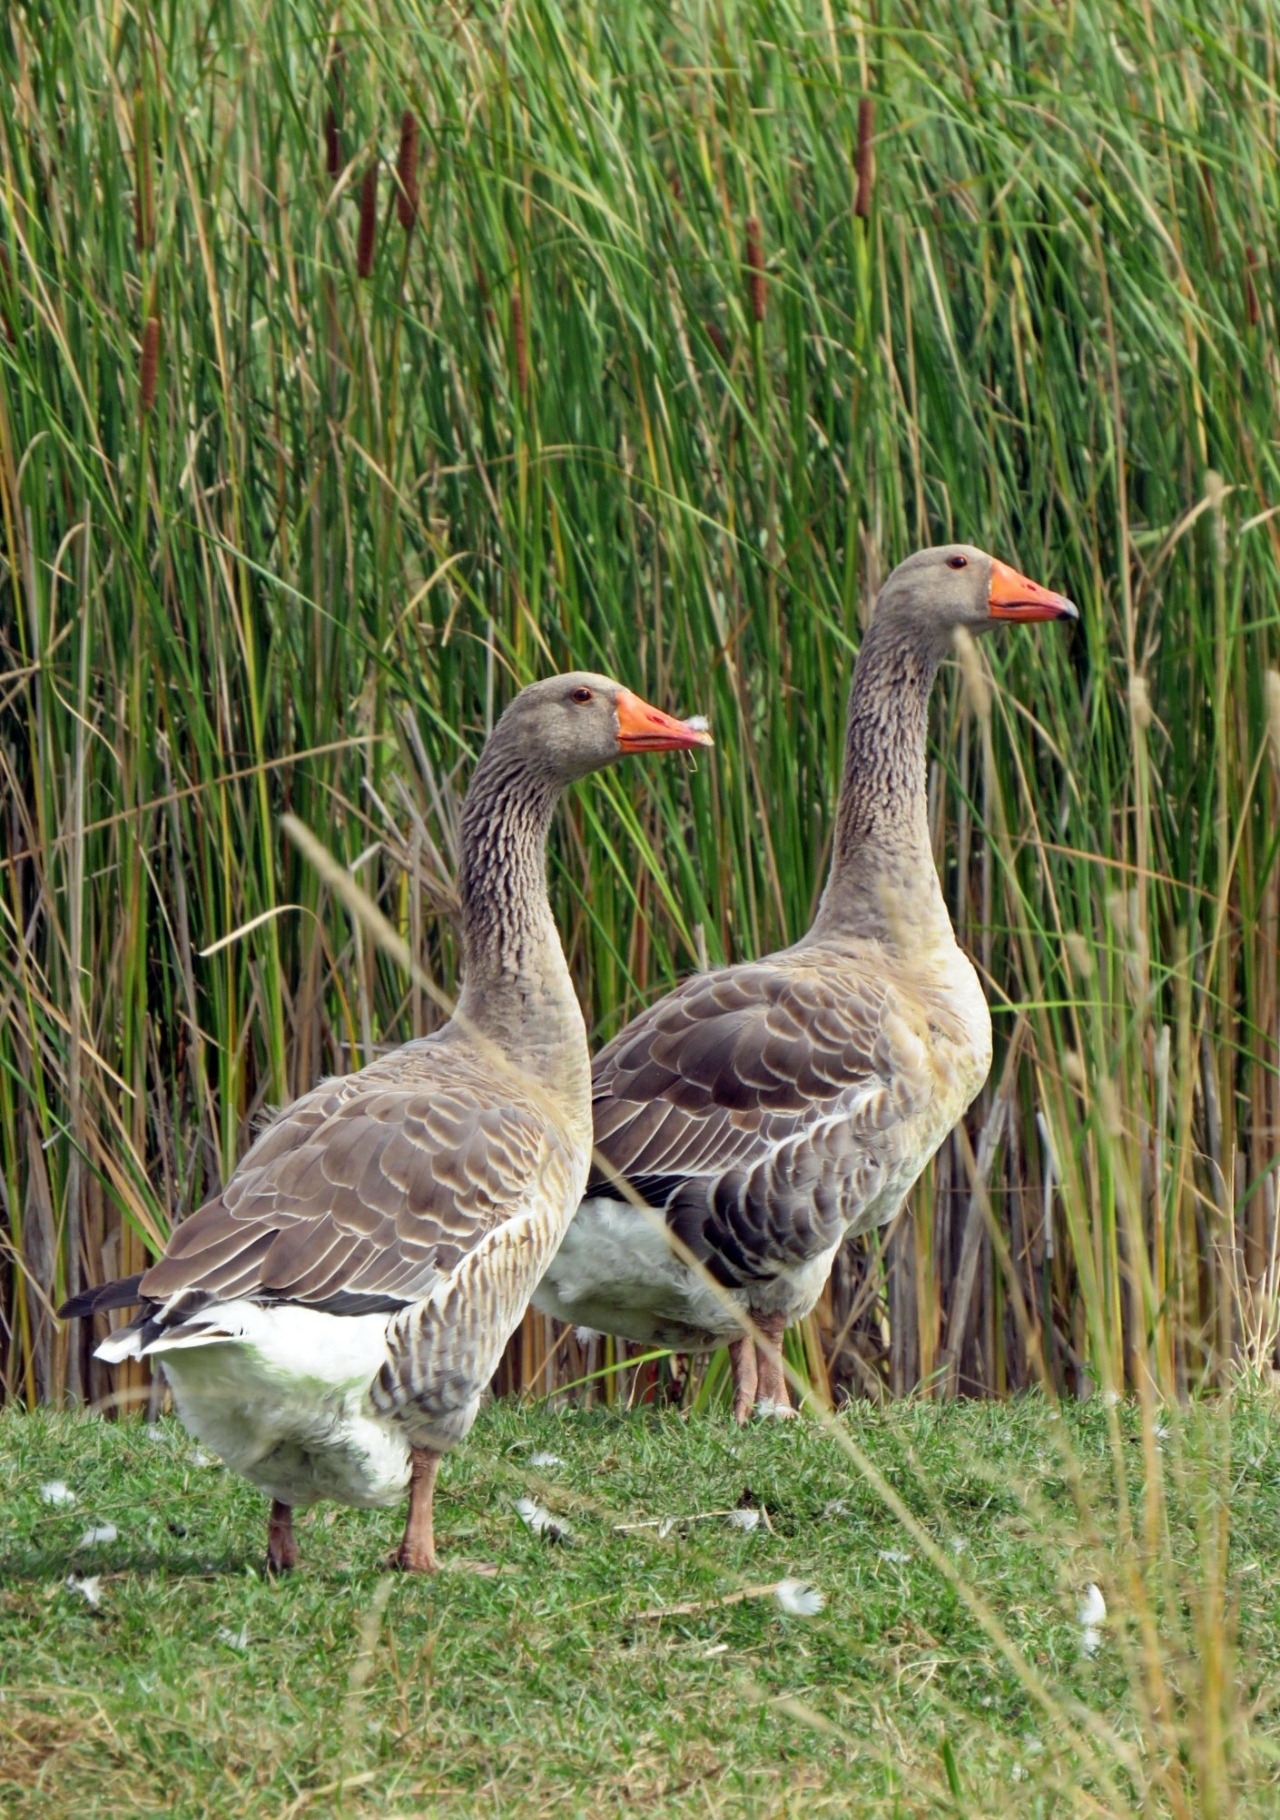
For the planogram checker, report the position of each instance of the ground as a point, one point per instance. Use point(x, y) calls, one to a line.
point(957, 1683)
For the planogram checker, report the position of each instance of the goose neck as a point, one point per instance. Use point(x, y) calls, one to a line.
point(883, 882)
point(516, 988)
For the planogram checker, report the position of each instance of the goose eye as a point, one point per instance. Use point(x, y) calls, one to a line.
point(582, 695)
point(957, 562)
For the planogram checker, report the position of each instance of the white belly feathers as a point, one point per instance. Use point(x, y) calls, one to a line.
point(282, 1394)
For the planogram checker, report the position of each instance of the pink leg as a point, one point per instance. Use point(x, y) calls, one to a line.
point(772, 1381)
point(417, 1552)
point(282, 1549)
point(742, 1357)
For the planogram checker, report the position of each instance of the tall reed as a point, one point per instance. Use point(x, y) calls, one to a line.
point(692, 344)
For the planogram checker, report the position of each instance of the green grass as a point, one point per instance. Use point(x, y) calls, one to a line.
point(198, 1687)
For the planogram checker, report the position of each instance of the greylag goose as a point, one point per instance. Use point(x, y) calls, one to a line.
point(767, 1110)
point(330, 1320)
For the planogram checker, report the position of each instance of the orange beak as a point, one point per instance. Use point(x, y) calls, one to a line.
point(1012, 596)
point(645, 729)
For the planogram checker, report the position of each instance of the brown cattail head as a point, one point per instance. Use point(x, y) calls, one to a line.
point(407, 170)
point(1250, 289)
point(143, 197)
point(716, 336)
point(149, 365)
point(518, 338)
point(332, 143)
point(866, 130)
point(368, 222)
point(755, 267)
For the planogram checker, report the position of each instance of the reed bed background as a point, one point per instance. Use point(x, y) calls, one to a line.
point(362, 364)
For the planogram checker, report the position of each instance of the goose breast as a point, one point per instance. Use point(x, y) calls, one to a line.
point(766, 1111)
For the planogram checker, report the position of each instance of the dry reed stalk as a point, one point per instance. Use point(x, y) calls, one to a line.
point(407, 171)
point(368, 222)
point(1250, 289)
point(755, 267)
point(866, 127)
point(148, 366)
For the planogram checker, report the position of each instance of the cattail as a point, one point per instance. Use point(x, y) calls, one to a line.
point(1160, 1057)
point(518, 338)
point(332, 143)
point(1250, 290)
point(866, 126)
point(149, 365)
point(1140, 711)
point(368, 222)
point(755, 267)
point(1109, 1108)
point(1215, 491)
point(716, 336)
point(1079, 953)
point(143, 199)
point(407, 171)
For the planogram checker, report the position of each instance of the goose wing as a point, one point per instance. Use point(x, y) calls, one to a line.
point(363, 1194)
point(755, 1106)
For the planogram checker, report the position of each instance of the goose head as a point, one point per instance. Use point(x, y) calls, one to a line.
point(568, 726)
point(956, 585)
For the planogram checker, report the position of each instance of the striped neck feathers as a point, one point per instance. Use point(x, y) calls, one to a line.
point(516, 986)
point(883, 883)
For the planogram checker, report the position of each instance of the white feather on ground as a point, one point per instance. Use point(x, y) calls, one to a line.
point(540, 1520)
point(1092, 1615)
point(798, 1599)
point(101, 1532)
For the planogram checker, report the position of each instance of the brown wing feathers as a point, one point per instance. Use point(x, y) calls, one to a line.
point(736, 1104)
point(353, 1201)
point(727, 1067)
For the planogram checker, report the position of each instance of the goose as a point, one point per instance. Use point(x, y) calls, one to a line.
point(329, 1321)
point(767, 1110)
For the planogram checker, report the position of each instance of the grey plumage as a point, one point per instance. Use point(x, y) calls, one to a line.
point(767, 1110)
point(747, 1105)
point(331, 1319)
